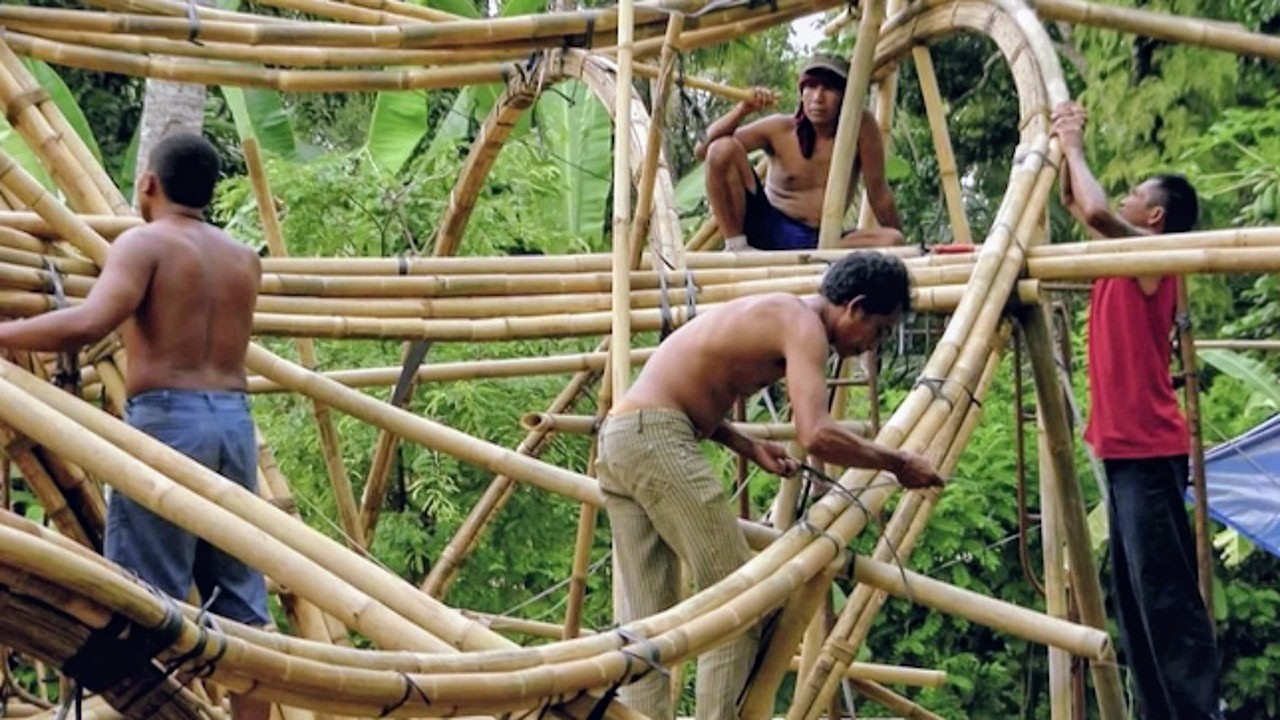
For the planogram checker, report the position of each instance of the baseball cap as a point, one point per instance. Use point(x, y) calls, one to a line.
point(830, 63)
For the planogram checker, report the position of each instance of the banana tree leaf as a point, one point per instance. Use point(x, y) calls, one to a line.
point(691, 190)
point(398, 125)
point(66, 102)
point(523, 7)
point(128, 168)
point(578, 134)
point(260, 114)
point(13, 144)
point(464, 8)
point(1252, 373)
point(456, 128)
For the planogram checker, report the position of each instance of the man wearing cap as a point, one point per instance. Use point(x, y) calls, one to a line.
point(785, 213)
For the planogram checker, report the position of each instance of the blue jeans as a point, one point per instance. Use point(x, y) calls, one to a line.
point(214, 429)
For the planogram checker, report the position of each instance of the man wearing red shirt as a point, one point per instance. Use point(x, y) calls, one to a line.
point(1136, 427)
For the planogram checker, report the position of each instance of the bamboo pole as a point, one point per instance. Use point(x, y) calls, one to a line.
point(241, 509)
point(1005, 617)
point(789, 629)
point(1232, 344)
point(465, 370)
point(181, 70)
point(25, 104)
point(1161, 26)
point(1067, 495)
point(1191, 393)
point(495, 496)
point(890, 674)
point(947, 172)
point(507, 110)
point(147, 486)
point(584, 541)
point(330, 445)
point(1061, 695)
point(281, 55)
point(660, 89)
point(620, 327)
point(892, 701)
point(843, 154)
point(303, 615)
point(588, 424)
point(886, 96)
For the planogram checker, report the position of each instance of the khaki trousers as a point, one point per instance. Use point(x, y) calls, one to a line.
point(666, 505)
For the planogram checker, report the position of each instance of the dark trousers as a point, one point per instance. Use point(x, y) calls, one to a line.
point(1165, 631)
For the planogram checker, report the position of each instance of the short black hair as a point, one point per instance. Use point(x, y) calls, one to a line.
point(880, 278)
point(187, 167)
point(1178, 198)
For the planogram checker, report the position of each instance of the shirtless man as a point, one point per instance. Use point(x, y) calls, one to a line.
point(787, 214)
point(182, 293)
point(664, 502)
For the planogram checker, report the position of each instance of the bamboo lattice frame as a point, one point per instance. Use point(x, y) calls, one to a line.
point(432, 659)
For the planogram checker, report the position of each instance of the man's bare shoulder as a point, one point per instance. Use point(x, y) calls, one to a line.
point(779, 316)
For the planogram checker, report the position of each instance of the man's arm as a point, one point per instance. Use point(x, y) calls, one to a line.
point(820, 434)
point(1082, 193)
point(115, 296)
point(871, 158)
point(770, 456)
point(728, 123)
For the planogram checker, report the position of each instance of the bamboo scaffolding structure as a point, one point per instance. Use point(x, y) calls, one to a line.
point(934, 419)
point(241, 510)
point(897, 542)
point(24, 103)
point(330, 445)
point(212, 522)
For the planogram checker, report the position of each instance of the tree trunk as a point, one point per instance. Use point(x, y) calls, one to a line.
point(167, 107)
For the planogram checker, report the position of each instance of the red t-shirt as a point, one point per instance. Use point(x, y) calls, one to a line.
point(1133, 412)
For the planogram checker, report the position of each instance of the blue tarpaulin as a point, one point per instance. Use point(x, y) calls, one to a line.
point(1243, 480)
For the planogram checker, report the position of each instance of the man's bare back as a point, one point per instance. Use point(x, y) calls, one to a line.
point(192, 327)
point(725, 355)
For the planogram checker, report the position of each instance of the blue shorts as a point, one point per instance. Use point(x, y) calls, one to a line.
point(768, 228)
point(214, 429)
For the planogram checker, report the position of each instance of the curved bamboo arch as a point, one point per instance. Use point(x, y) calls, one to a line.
point(436, 660)
point(520, 94)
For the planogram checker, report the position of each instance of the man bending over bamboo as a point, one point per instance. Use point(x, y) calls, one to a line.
point(786, 212)
point(664, 502)
point(182, 293)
